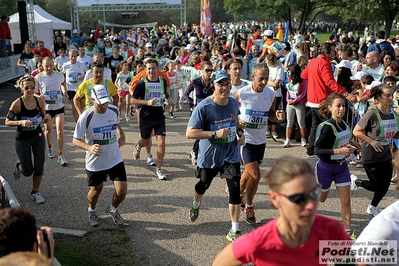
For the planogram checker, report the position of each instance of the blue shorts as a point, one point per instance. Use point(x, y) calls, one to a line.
point(327, 173)
point(251, 153)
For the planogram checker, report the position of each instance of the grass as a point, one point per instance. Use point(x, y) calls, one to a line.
point(105, 247)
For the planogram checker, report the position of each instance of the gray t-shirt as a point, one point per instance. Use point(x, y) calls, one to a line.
point(369, 122)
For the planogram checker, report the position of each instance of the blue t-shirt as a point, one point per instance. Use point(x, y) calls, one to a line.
point(211, 116)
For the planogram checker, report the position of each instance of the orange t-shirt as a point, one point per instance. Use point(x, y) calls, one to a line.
point(141, 74)
point(266, 46)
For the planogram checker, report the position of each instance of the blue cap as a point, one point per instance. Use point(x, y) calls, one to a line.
point(221, 74)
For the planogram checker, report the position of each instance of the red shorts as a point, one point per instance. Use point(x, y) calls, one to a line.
point(123, 94)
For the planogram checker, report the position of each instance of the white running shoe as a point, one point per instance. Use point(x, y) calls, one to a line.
point(150, 161)
point(50, 153)
point(127, 118)
point(193, 158)
point(62, 160)
point(159, 174)
point(287, 143)
point(353, 182)
point(274, 135)
point(303, 143)
point(37, 198)
point(373, 210)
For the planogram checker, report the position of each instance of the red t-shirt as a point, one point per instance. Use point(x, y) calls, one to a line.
point(43, 53)
point(263, 246)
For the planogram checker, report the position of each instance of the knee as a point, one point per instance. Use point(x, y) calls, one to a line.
point(161, 142)
point(201, 187)
point(121, 191)
point(346, 202)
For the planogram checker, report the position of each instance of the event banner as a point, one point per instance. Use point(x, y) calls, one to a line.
point(127, 2)
point(9, 69)
point(206, 20)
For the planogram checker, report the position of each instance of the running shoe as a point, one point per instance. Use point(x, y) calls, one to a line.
point(50, 153)
point(287, 143)
point(16, 172)
point(194, 212)
point(226, 190)
point(353, 182)
point(136, 152)
point(353, 236)
point(62, 160)
point(250, 215)
point(116, 217)
point(359, 165)
point(150, 161)
point(394, 178)
point(231, 236)
point(303, 143)
point(93, 219)
point(268, 134)
point(159, 174)
point(37, 198)
point(127, 118)
point(373, 210)
point(274, 135)
point(171, 115)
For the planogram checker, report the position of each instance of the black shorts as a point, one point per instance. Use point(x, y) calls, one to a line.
point(146, 128)
point(53, 113)
point(228, 171)
point(251, 153)
point(116, 173)
point(71, 95)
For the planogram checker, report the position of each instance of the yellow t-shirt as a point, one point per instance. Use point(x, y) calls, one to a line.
point(84, 90)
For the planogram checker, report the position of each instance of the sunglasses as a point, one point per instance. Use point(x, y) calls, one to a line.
point(302, 198)
point(208, 70)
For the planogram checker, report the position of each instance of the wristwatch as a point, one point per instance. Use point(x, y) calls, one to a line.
point(213, 134)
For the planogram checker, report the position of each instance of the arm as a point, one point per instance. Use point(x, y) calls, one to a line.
point(359, 133)
point(76, 102)
point(187, 92)
point(195, 133)
point(303, 87)
point(64, 92)
point(274, 83)
point(21, 62)
point(226, 257)
point(272, 112)
point(122, 136)
point(116, 83)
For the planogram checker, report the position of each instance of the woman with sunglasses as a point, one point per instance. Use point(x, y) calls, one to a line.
point(333, 144)
point(376, 128)
point(202, 88)
point(292, 238)
point(29, 113)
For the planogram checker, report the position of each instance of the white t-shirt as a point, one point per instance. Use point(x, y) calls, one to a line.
point(236, 88)
point(86, 60)
point(50, 87)
point(377, 72)
point(59, 61)
point(100, 129)
point(276, 73)
point(107, 74)
point(72, 72)
point(385, 226)
point(254, 111)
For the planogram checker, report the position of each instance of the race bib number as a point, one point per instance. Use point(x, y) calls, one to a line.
point(114, 63)
point(230, 124)
point(154, 93)
point(73, 78)
point(52, 97)
point(104, 135)
point(36, 120)
point(390, 128)
point(255, 119)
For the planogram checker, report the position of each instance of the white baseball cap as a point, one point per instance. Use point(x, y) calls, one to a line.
point(358, 75)
point(269, 33)
point(148, 45)
point(100, 94)
point(75, 31)
point(189, 47)
point(344, 63)
point(193, 39)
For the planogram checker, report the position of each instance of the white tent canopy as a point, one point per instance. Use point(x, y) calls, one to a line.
point(45, 24)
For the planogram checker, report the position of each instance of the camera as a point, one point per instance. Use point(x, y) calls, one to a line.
point(46, 240)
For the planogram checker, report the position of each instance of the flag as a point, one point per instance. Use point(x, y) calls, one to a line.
point(286, 32)
point(279, 34)
point(96, 34)
point(206, 20)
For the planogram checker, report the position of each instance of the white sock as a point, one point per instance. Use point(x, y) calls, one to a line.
point(287, 139)
point(196, 204)
point(90, 210)
point(348, 231)
point(246, 206)
point(303, 139)
point(235, 227)
point(112, 208)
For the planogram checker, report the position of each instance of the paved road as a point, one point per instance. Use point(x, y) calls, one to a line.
point(156, 211)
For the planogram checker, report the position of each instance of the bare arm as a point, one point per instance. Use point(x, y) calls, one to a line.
point(195, 133)
point(358, 132)
point(76, 101)
point(226, 257)
point(272, 112)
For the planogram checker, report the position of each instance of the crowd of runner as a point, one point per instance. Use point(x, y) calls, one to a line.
point(339, 96)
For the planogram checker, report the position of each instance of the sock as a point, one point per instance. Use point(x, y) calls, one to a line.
point(348, 231)
point(90, 210)
point(249, 206)
point(196, 204)
point(149, 155)
point(235, 227)
point(112, 208)
point(59, 153)
point(287, 139)
point(303, 139)
point(33, 191)
point(50, 146)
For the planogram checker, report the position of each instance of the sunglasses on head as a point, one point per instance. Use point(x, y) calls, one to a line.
point(302, 198)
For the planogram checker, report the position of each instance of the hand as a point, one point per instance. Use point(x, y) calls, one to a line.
point(222, 133)
point(347, 151)
point(46, 118)
point(351, 98)
point(241, 124)
point(356, 145)
point(122, 140)
point(26, 123)
point(290, 102)
point(376, 145)
point(152, 102)
point(81, 78)
point(65, 99)
point(95, 149)
point(42, 245)
point(241, 140)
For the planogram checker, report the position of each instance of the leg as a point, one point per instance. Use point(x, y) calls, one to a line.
point(48, 132)
point(346, 212)
point(59, 125)
point(71, 94)
point(127, 97)
point(120, 102)
point(316, 120)
point(93, 194)
point(38, 150)
point(253, 171)
point(160, 150)
point(120, 193)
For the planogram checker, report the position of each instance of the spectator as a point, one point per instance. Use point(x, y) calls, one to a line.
point(5, 37)
point(44, 52)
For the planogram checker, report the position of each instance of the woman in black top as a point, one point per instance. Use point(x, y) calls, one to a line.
point(333, 144)
point(25, 57)
point(30, 115)
point(113, 61)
